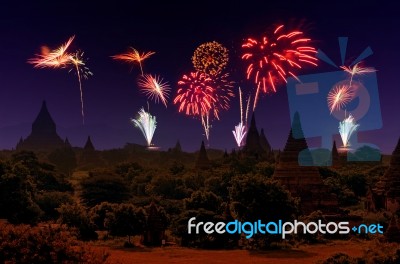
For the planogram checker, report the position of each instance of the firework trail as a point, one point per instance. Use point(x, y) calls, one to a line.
point(133, 56)
point(357, 70)
point(147, 124)
point(82, 72)
point(346, 128)
point(241, 129)
point(210, 58)
point(154, 88)
point(60, 58)
point(205, 122)
point(275, 57)
point(339, 96)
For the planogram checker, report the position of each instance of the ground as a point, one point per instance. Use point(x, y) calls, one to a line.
point(178, 255)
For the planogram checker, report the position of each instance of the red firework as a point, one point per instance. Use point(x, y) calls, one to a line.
point(195, 95)
point(272, 59)
point(223, 91)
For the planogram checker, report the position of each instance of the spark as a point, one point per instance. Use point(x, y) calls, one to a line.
point(133, 56)
point(57, 58)
point(62, 58)
point(239, 133)
point(346, 128)
point(274, 57)
point(357, 69)
point(147, 124)
point(339, 96)
point(210, 58)
point(203, 96)
point(155, 88)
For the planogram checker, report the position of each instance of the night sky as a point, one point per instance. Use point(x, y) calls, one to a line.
point(173, 31)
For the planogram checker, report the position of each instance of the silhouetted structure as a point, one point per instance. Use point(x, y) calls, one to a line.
point(67, 144)
point(386, 192)
point(392, 233)
point(89, 154)
point(301, 180)
point(335, 156)
point(156, 225)
point(44, 135)
point(257, 144)
point(202, 160)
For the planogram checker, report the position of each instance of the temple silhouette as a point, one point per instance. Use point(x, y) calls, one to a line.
point(386, 192)
point(294, 171)
point(44, 135)
point(257, 145)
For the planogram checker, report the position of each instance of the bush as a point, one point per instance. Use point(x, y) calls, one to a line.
point(74, 215)
point(104, 187)
point(50, 201)
point(24, 244)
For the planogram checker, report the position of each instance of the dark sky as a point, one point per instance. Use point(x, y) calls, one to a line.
point(173, 31)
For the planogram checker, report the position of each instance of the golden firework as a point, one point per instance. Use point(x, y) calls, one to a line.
point(210, 58)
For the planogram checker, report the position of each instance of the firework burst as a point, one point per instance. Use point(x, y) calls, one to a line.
point(57, 58)
point(357, 69)
point(195, 95)
point(62, 58)
point(210, 58)
point(273, 58)
point(339, 96)
point(222, 92)
point(346, 128)
point(204, 96)
point(133, 56)
point(147, 124)
point(154, 88)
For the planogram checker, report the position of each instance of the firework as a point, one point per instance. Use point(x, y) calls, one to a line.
point(204, 96)
point(239, 133)
point(339, 96)
point(275, 57)
point(210, 58)
point(133, 56)
point(57, 58)
point(222, 92)
point(357, 70)
point(155, 88)
point(195, 95)
point(147, 124)
point(82, 71)
point(62, 58)
point(241, 129)
point(346, 128)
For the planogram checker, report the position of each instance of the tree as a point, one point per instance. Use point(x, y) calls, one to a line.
point(74, 215)
point(99, 213)
point(104, 187)
point(125, 220)
point(256, 198)
point(17, 193)
point(50, 201)
point(205, 206)
point(25, 244)
point(64, 159)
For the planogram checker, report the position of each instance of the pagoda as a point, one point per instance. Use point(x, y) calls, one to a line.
point(294, 170)
point(44, 135)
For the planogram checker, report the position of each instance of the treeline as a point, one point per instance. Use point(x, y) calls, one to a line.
point(155, 202)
